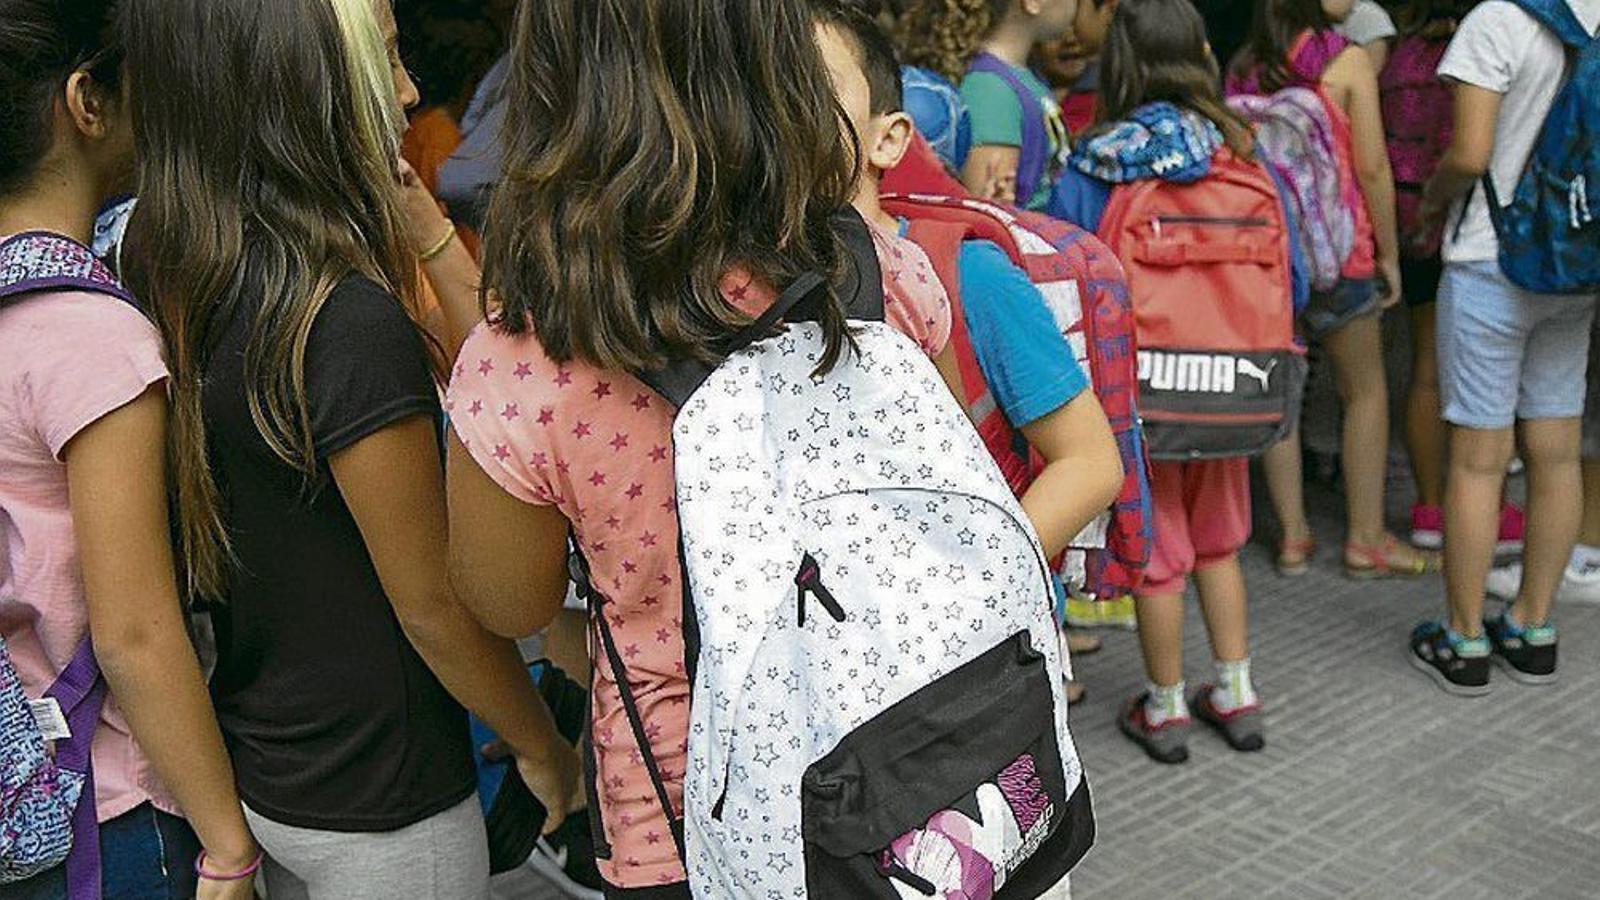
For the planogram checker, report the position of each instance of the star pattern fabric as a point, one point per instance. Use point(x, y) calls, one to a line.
point(598, 446)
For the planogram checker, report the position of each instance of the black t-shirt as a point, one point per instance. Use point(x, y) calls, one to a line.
point(333, 720)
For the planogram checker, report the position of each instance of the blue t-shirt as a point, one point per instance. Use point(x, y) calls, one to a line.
point(1027, 363)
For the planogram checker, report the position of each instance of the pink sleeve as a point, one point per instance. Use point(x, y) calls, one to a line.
point(486, 414)
point(915, 301)
point(86, 356)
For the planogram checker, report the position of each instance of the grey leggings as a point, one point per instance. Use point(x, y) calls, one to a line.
point(444, 857)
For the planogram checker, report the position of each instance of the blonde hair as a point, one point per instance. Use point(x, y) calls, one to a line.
point(380, 121)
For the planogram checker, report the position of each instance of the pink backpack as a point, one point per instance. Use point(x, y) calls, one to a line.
point(1417, 123)
point(1304, 137)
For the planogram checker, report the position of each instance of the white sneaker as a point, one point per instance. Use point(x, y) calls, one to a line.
point(1581, 586)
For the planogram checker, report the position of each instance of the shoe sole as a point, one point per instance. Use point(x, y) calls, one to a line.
point(1445, 684)
point(553, 874)
point(1517, 675)
point(1427, 540)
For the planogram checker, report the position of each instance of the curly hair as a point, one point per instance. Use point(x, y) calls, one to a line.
point(943, 35)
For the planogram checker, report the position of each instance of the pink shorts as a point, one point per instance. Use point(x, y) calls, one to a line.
point(1202, 517)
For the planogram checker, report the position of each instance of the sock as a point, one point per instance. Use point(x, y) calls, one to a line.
point(1165, 703)
point(1468, 648)
point(1234, 688)
point(1533, 635)
point(1585, 561)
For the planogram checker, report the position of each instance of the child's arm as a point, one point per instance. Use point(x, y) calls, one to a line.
point(1082, 474)
point(1477, 111)
point(116, 478)
point(991, 172)
point(1352, 76)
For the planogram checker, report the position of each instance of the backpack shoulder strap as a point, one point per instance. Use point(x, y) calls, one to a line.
point(1557, 16)
point(941, 241)
point(37, 261)
point(860, 290)
point(1035, 141)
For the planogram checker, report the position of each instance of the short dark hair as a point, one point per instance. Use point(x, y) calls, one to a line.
point(873, 46)
point(42, 42)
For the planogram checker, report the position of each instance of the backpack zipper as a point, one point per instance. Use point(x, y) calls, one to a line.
point(809, 580)
point(1230, 221)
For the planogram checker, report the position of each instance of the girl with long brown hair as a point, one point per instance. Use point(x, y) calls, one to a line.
point(270, 244)
point(668, 166)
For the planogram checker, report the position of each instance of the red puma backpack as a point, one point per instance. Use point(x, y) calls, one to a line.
point(1083, 286)
point(1208, 264)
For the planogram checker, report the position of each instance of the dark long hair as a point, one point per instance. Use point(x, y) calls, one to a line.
point(1412, 16)
point(1157, 50)
point(1272, 34)
point(261, 175)
point(652, 146)
point(42, 43)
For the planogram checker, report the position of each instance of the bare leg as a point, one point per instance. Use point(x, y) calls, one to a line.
point(1223, 604)
point(1357, 353)
point(1286, 489)
point(1555, 507)
point(1426, 433)
point(1589, 531)
point(1478, 459)
point(1161, 637)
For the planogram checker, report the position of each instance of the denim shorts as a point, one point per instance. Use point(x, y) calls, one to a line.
point(1506, 353)
point(145, 854)
point(1349, 300)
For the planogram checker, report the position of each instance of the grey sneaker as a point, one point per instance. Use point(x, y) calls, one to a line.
point(1165, 743)
point(1244, 729)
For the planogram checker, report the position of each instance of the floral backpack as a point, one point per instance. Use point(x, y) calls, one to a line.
point(47, 812)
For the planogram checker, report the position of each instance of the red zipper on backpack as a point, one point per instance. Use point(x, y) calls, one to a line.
point(1211, 418)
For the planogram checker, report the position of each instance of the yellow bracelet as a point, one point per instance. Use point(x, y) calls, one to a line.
point(432, 253)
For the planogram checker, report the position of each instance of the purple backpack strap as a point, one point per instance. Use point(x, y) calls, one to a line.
point(81, 692)
point(44, 261)
point(1035, 142)
point(29, 263)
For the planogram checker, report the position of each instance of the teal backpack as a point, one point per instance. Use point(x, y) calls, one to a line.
point(1550, 231)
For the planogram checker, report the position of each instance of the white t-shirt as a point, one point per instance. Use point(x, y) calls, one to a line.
point(1366, 23)
point(1503, 49)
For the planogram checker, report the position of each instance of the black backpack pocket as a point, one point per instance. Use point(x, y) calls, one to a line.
point(958, 786)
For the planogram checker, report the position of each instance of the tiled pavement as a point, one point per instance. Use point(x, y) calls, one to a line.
point(1374, 784)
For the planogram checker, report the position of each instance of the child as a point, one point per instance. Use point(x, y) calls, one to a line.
point(1416, 122)
point(1024, 360)
point(310, 485)
point(83, 505)
point(1018, 137)
point(1156, 50)
point(601, 274)
point(1511, 362)
point(1292, 45)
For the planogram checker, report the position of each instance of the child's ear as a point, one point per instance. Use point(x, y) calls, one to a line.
point(890, 139)
point(88, 105)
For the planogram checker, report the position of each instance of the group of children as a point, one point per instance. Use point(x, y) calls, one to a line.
point(1043, 184)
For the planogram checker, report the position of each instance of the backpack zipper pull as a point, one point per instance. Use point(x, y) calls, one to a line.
point(809, 580)
point(889, 867)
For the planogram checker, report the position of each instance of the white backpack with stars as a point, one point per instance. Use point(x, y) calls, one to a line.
point(877, 693)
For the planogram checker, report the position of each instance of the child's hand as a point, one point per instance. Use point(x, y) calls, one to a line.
point(1389, 287)
point(427, 222)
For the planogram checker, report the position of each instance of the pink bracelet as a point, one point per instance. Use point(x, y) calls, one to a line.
point(246, 872)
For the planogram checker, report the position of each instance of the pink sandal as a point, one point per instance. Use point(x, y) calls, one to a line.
point(1294, 556)
point(1369, 562)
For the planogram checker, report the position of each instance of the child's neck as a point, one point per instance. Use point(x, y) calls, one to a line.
point(52, 203)
point(1012, 41)
point(867, 204)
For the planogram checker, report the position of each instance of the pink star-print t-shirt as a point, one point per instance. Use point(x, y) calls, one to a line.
point(598, 445)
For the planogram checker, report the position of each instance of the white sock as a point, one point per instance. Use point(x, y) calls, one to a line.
point(1165, 703)
point(1234, 688)
point(1585, 560)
